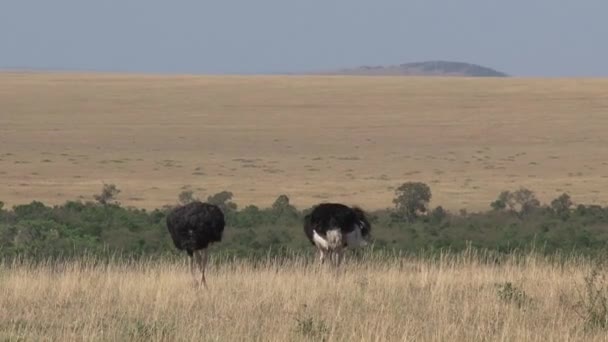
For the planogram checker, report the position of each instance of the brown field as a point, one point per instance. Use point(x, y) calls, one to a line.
point(455, 299)
point(316, 138)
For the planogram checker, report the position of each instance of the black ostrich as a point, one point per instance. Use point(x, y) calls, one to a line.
point(331, 227)
point(193, 227)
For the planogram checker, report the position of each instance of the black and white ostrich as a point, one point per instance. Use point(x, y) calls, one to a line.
point(332, 227)
point(193, 227)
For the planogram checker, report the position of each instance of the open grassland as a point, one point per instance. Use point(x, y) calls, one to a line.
point(454, 298)
point(351, 139)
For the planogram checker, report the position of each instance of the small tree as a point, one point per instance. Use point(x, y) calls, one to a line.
point(502, 201)
point(282, 211)
point(281, 203)
point(223, 200)
point(186, 196)
point(521, 202)
point(412, 199)
point(281, 206)
point(438, 214)
point(108, 194)
point(526, 200)
point(561, 205)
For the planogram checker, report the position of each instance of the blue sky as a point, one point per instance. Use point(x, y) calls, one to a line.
point(519, 37)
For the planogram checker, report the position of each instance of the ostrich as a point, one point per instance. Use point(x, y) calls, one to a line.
point(193, 227)
point(333, 226)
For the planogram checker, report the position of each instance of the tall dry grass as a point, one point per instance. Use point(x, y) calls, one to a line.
point(451, 298)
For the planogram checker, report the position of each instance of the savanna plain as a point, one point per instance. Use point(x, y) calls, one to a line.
point(351, 139)
point(314, 138)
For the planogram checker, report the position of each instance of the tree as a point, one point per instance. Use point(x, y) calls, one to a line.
point(108, 194)
point(282, 212)
point(186, 196)
point(223, 201)
point(412, 199)
point(526, 200)
point(501, 201)
point(438, 214)
point(281, 206)
point(521, 202)
point(561, 205)
point(281, 203)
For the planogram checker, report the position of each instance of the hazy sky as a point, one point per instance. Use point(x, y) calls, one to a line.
point(519, 37)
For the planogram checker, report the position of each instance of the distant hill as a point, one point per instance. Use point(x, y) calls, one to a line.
point(428, 68)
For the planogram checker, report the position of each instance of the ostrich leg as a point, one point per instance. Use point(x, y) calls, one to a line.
point(339, 257)
point(193, 267)
point(201, 258)
point(321, 256)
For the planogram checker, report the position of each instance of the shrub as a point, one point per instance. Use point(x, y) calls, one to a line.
point(507, 292)
point(311, 328)
point(108, 194)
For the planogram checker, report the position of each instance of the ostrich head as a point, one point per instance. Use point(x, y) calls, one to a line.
point(365, 227)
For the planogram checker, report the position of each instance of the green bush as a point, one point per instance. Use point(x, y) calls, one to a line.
point(76, 228)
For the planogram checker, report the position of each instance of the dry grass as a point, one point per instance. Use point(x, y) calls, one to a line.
point(454, 299)
point(347, 139)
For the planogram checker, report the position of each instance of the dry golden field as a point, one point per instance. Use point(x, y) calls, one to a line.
point(315, 138)
point(456, 298)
